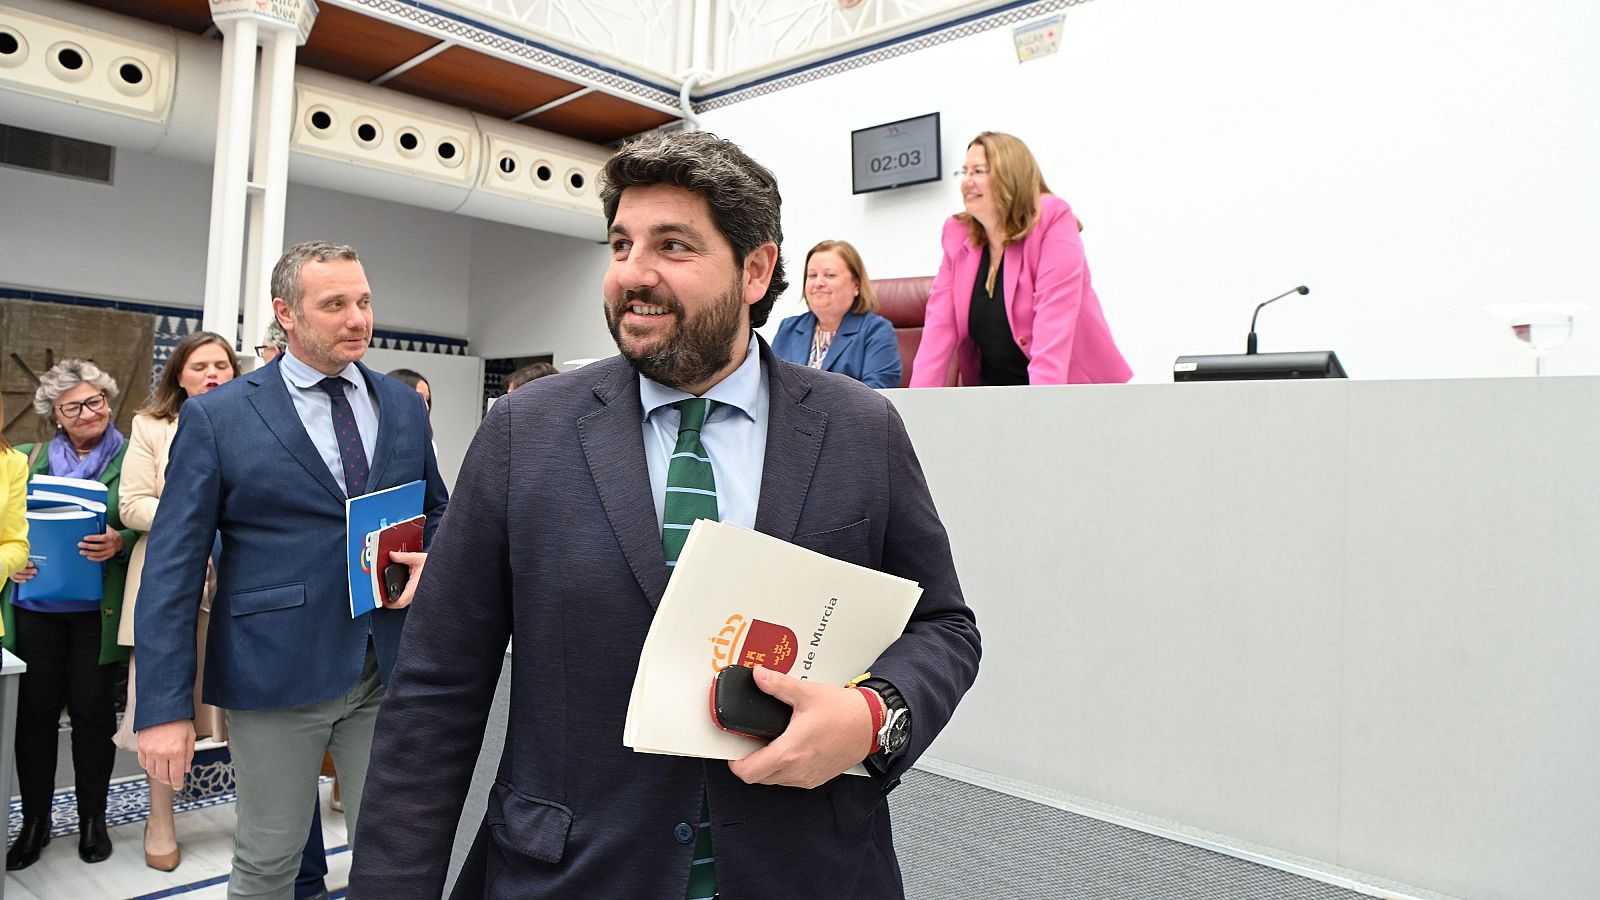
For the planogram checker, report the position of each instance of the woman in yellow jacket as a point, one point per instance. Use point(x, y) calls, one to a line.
point(13, 505)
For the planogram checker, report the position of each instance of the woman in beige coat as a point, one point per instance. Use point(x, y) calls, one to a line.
point(200, 362)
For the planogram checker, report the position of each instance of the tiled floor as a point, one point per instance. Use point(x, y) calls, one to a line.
point(206, 836)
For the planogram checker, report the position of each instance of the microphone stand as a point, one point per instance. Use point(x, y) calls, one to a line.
point(1250, 342)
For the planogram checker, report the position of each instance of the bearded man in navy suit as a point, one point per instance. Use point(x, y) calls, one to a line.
point(267, 463)
point(555, 542)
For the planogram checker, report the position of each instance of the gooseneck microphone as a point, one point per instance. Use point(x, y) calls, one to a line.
point(1250, 342)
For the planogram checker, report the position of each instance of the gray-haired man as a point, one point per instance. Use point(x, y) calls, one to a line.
point(269, 462)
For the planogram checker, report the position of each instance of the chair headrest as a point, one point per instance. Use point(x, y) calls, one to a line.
point(903, 301)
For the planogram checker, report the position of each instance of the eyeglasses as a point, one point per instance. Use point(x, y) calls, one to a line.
point(975, 172)
point(75, 409)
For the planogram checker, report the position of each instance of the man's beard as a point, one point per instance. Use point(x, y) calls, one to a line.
point(323, 347)
point(699, 348)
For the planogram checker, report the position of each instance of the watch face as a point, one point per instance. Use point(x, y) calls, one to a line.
point(896, 732)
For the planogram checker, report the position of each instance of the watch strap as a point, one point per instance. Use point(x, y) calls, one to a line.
point(880, 761)
point(880, 712)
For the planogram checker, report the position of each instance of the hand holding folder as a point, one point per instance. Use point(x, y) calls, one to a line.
point(738, 597)
point(365, 517)
point(829, 732)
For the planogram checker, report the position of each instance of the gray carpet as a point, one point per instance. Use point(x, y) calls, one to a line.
point(957, 840)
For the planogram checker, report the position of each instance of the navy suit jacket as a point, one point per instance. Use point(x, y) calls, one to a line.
point(281, 633)
point(864, 347)
point(551, 542)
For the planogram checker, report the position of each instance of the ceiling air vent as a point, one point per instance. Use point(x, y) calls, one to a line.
point(64, 156)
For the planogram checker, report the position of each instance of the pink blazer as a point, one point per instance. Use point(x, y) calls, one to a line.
point(1054, 313)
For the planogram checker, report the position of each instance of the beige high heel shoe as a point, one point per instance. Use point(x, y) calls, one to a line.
point(162, 862)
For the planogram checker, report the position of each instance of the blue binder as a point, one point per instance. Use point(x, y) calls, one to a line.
point(57, 521)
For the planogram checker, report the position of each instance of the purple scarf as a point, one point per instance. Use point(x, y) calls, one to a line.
point(65, 463)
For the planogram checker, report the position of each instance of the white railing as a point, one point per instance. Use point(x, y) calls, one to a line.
point(643, 34)
point(752, 34)
point(723, 39)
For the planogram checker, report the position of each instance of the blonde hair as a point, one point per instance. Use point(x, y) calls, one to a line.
point(4, 444)
point(866, 299)
point(1016, 183)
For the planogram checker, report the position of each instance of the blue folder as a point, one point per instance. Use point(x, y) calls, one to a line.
point(57, 521)
point(365, 515)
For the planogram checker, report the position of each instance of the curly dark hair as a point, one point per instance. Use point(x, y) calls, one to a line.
point(742, 193)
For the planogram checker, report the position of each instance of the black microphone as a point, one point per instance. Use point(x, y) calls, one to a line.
point(1250, 342)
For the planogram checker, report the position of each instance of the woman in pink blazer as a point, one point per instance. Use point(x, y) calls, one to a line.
point(1012, 302)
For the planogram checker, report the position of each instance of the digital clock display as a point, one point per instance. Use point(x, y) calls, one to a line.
point(895, 155)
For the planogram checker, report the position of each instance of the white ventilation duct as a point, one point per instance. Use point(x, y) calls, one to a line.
point(98, 76)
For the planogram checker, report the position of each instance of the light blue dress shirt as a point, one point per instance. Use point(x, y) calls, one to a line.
point(316, 410)
point(735, 437)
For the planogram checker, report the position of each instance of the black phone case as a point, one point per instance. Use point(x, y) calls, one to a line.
point(395, 576)
point(739, 706)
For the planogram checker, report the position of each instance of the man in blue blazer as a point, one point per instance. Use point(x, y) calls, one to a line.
point(556, 541)
point(268, 461)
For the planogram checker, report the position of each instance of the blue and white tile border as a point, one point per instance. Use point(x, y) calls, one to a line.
point(210, 783)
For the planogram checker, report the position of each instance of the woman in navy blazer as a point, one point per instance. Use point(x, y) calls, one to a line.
point(842, 332)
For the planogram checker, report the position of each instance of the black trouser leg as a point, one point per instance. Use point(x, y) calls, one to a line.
point(92, 708)
point(42, 643)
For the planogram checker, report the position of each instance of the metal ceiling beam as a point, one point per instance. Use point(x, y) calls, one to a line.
point(414, 61)
point(564, 98)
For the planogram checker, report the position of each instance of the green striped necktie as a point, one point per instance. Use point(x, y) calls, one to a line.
point(691, 485)
point(691, 495)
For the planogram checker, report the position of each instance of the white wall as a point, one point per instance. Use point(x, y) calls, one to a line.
point(535, 293)
point(418, 261)
point(143, 238)
point(1410, 162)
point(456, 385)
point(1293, 615)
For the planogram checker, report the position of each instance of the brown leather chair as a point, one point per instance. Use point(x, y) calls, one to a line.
point(904, 302)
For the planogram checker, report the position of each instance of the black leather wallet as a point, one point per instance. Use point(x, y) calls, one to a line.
point(739, 706)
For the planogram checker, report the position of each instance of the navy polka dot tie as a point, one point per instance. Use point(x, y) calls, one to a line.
point(351, 453)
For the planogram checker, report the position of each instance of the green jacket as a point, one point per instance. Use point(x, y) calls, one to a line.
point(116, 567)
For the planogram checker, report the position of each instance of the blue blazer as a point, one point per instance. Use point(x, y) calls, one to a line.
point(864, 347)
point(281, 633)
point(551, 542)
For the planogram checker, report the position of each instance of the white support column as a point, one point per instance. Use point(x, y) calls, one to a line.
point(229, 173)
point(249, 177)
point(271, 175)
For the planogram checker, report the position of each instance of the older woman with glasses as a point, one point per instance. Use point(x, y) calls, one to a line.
point(70, 646)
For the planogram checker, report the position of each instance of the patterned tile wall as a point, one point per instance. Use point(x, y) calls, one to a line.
point(172, 323)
